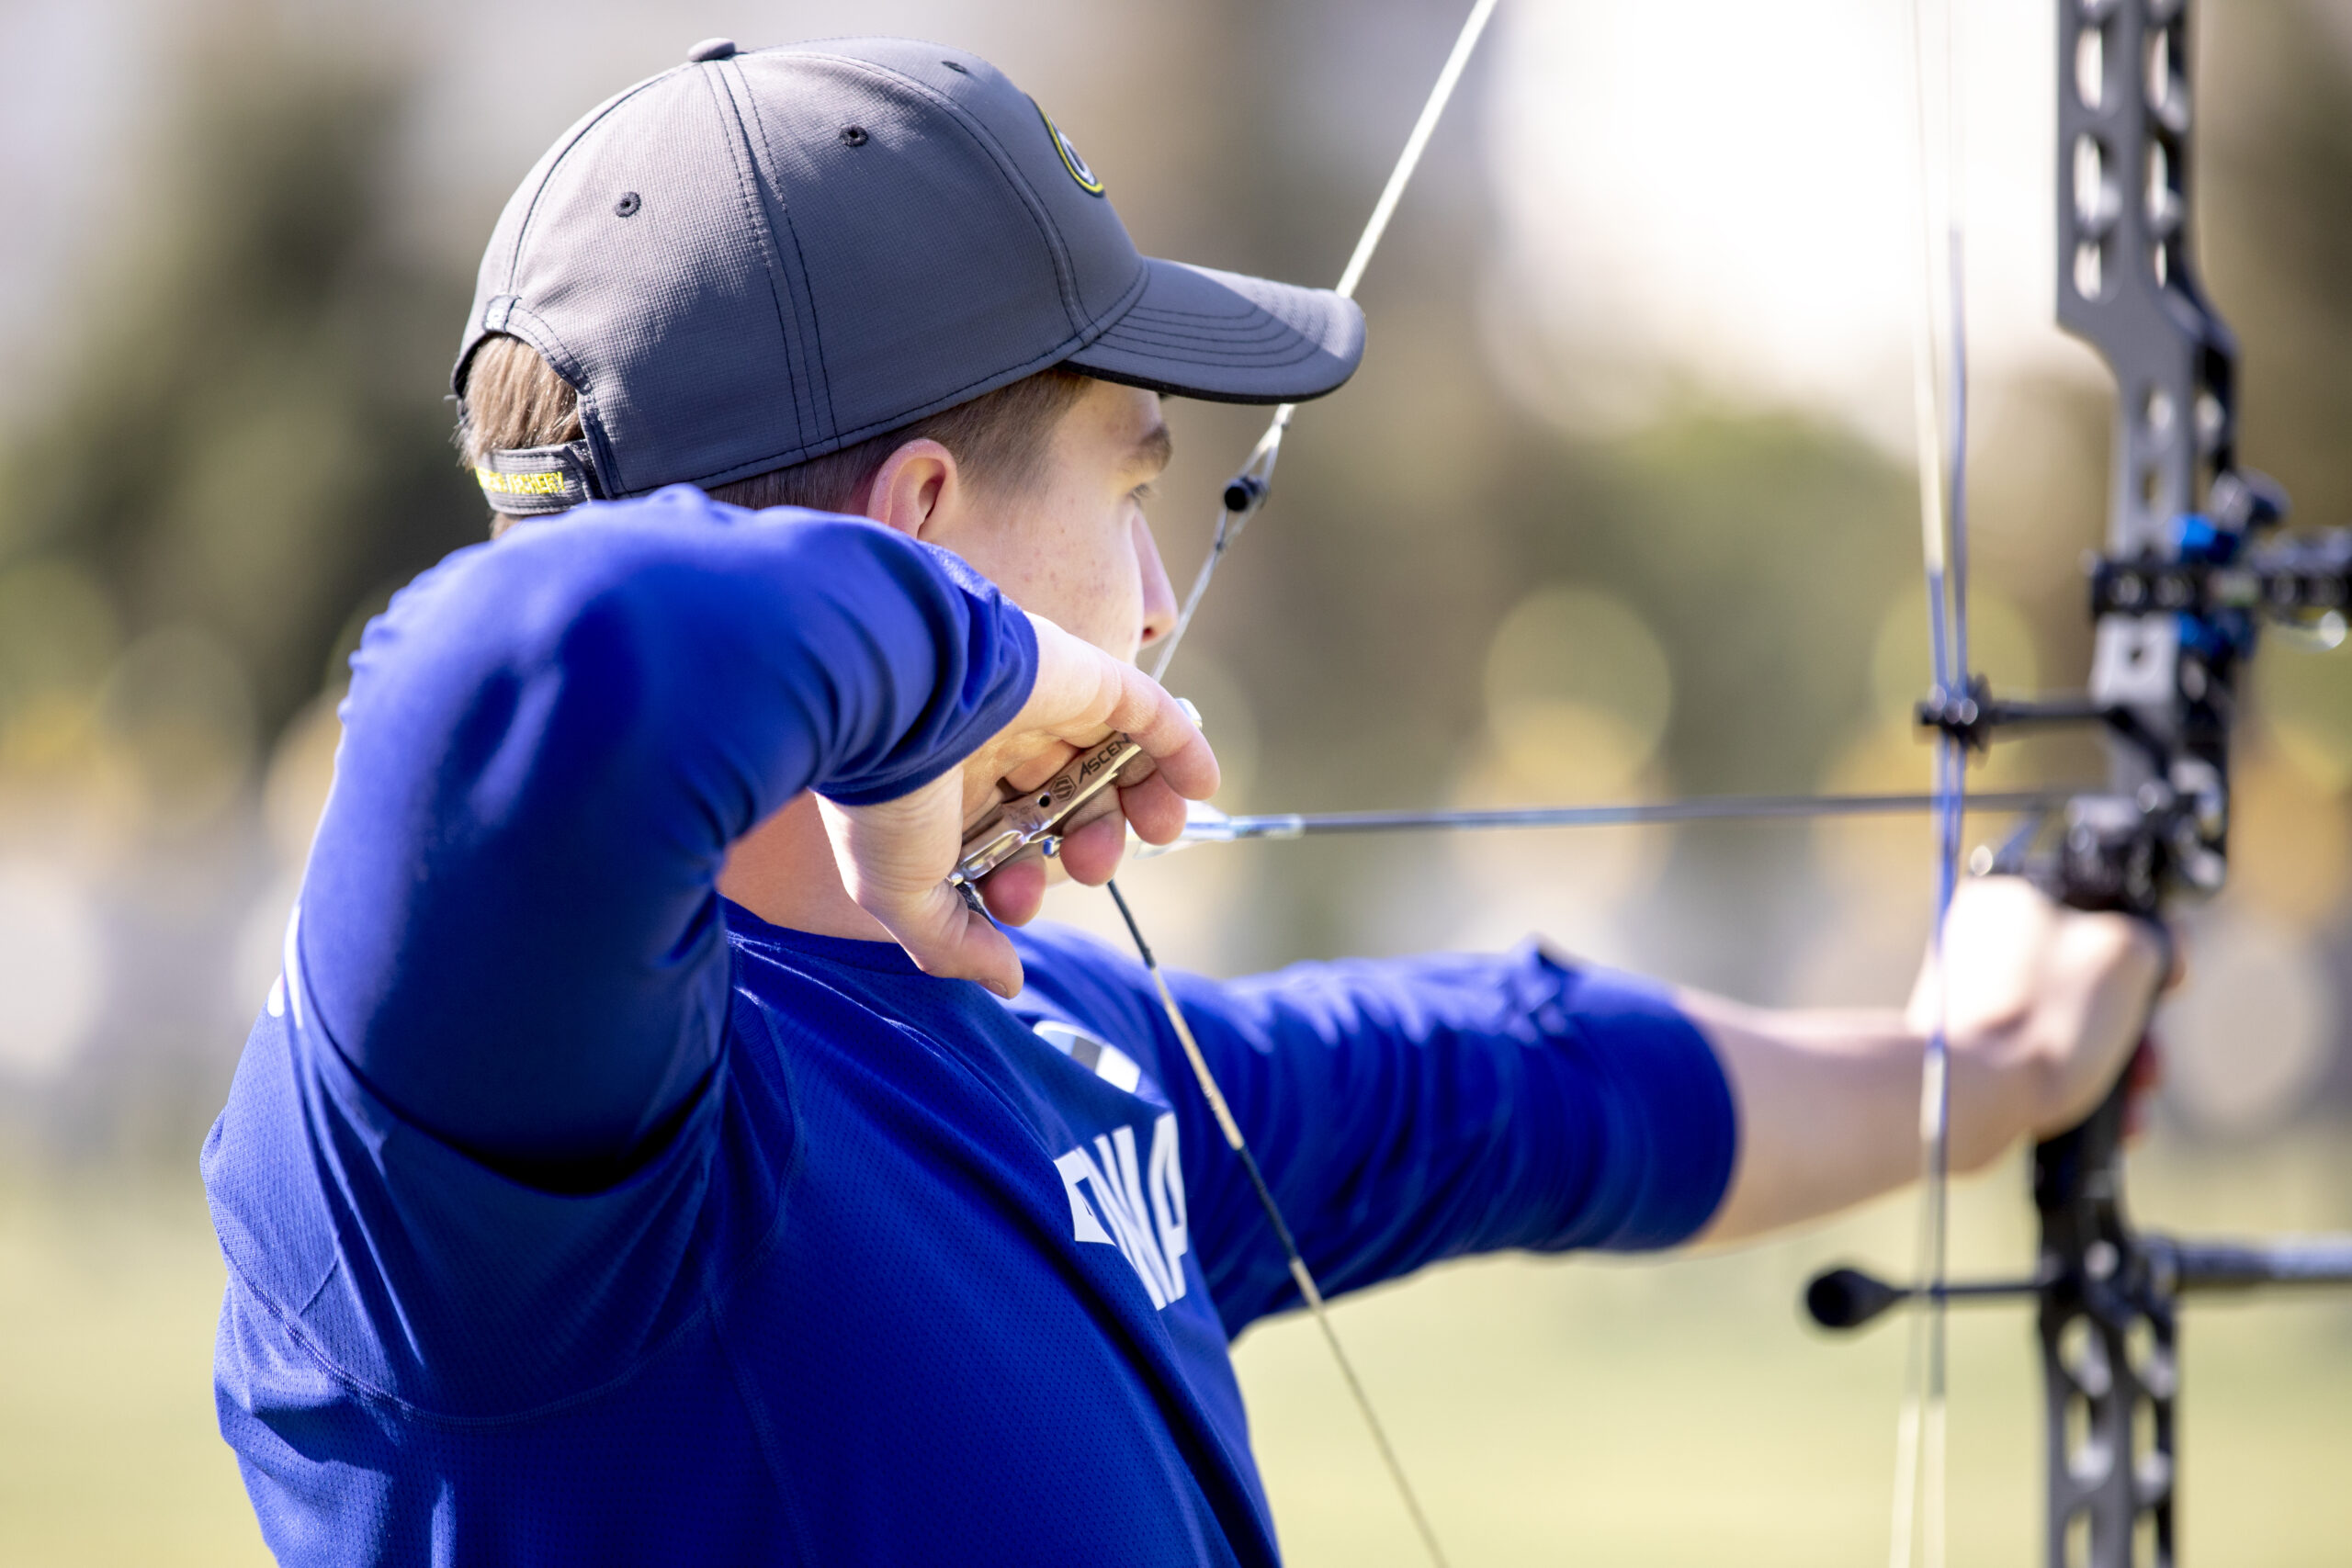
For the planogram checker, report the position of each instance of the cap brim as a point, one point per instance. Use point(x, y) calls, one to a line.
point(1219, 336)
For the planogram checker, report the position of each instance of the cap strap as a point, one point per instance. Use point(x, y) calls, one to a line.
point(530, 481)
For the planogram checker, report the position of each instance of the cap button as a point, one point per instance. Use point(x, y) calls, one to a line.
point(711, 49)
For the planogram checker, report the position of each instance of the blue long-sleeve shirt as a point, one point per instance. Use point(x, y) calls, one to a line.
point(574, 1216)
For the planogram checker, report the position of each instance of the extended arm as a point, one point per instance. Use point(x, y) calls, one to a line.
point(2044, 1005)
point(1408, 1110)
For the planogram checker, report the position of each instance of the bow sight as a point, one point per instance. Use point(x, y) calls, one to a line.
point(2190, 572)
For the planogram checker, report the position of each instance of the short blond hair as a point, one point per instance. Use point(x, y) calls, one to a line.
point(514, 398)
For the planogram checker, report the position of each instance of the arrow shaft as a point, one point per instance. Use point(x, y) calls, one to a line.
point(1705, 808)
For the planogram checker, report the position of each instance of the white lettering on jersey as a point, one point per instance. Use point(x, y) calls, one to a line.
point(1137, 1205)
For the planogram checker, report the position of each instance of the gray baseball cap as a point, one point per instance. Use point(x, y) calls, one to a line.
point(766, 256)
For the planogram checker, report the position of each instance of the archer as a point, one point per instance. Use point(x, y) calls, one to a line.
point(646, 1157)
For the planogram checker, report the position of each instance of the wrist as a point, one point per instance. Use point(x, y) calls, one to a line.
point(2000, 1088)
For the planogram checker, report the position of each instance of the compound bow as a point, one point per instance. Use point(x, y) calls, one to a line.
point(2191, 569)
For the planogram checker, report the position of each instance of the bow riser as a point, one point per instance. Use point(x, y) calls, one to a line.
point(2127, 285)
point(2106, 1327)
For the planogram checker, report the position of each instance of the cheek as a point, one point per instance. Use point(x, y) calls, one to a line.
point(1077, 566)
point(1104, 581)
point(1099, 584)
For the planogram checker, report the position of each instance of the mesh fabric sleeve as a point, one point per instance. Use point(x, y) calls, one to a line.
point(1408, 1110)
point(509, 922)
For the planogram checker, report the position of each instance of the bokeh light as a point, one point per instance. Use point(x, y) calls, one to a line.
point(2248, 1041)
point(1578, 693)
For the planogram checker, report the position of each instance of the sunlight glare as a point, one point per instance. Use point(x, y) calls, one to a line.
point(1718, 199)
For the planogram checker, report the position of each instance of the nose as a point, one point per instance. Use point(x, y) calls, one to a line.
point(1159, 594)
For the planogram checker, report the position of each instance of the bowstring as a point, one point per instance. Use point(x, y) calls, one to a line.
point(1242, 499)
point(1300, 1276)
point(1941, 433)
point(1249, 487)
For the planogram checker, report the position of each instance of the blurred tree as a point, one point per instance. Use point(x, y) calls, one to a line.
point(2278, 236)
point(248, 434)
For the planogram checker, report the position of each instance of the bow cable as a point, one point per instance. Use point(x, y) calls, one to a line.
point(1246, 490)
point(1942, 440)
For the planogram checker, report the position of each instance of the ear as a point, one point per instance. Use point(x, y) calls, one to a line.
point(915, 486)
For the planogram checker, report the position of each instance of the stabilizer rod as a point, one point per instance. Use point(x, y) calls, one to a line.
point(1849, 1298)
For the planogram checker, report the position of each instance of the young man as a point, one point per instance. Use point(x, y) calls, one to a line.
point(626, 1168)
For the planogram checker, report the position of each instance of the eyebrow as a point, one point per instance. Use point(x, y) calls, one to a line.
point(1155, 447)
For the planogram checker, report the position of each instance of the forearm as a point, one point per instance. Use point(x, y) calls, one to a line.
point(2042, 1006)
point(1830, 1108)
point(1408, 1111)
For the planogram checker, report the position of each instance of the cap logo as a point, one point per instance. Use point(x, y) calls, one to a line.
point(530, 481)
point(1070, 160)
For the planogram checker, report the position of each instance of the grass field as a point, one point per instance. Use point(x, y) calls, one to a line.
point(107, 1449)
point(1622, 1414)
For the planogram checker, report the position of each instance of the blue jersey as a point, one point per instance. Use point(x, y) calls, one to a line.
point(574, 1216)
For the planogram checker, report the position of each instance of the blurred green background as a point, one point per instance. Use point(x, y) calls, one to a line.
point(1619, 507)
